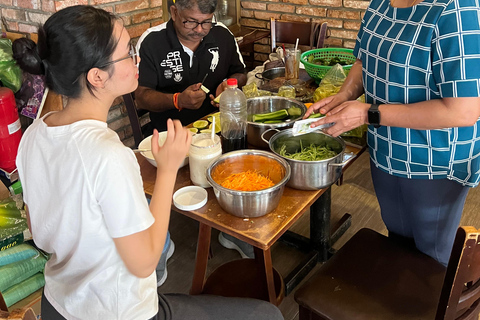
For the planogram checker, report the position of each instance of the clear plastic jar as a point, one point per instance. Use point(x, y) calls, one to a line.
point(203, 151)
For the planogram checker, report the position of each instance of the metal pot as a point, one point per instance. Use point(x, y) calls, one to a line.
point(249, 203)
point(271, 74)
point(268, 104)
point(311, 175)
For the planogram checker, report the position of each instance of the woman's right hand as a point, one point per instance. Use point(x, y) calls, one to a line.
point(173, 152)
point(326, 104)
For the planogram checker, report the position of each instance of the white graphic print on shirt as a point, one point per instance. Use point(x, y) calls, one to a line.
point(174, 62)
point(214, 63)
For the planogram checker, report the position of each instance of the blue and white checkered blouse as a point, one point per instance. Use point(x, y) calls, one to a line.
point(428, 51)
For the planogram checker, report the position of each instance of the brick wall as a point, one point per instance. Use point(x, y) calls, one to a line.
point(343, 17)
point(138, 15)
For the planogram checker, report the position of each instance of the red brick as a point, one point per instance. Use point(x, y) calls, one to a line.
point(131, 6)
point(99, 2)
point(147, 15)
point(310, 11)
point(38, 18)
point(27, 28)
point(349, 44)
point(281, 8)
point(13, 14)
point(344, 14)
point(356, 4)
point(8, 3)
point(59, 5)
point(156, 4)
point(334, 43)
point(304, 2)
point(344, 34)
point(261, 48)
point(295, 17)
point(332, 23)
point(326, 3)
point(48, 6)
point(263, 15)
point(246, 13)
point(28, 4)
point(253, 23)
point(11, 25)
point(137, 30)
point(108, 8)
point(352, 25)
point(127, 20)
point(253, 5)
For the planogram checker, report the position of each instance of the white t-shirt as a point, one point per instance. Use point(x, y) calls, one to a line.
point(83, 188)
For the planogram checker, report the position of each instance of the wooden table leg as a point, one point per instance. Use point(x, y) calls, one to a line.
point(201, 260)
point(263, 259)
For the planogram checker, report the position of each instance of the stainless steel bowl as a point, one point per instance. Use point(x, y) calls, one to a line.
point(249, 204)
point(311, 175)
point(264, 105)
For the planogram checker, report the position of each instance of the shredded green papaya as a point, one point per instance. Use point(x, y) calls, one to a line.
point(310, 153)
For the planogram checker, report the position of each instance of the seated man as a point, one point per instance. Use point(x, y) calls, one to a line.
point(176, 57)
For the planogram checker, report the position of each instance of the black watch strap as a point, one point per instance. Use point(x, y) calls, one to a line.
point(374, 115)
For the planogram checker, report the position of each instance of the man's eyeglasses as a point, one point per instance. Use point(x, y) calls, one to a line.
point(131, 54)
point(206, 25)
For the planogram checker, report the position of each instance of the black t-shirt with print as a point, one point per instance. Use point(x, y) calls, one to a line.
point(165, 67)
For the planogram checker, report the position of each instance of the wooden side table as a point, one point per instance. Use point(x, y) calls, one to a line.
point(250, 36)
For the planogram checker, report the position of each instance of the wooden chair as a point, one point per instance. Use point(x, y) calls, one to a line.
point(377, 277)
point(134, 115)
point(309, 34)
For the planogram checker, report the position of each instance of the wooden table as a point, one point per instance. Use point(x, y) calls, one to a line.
point(250, 36)
point(258, 278)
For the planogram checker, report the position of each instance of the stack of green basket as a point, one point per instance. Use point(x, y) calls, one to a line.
point(317, 72)
point(21, 272)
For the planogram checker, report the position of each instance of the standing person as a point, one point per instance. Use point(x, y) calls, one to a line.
point(176, 57)
point(418, 63)
point(83, 187)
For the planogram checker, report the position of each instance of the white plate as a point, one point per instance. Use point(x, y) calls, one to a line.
point(147, 144)
point(190, 198)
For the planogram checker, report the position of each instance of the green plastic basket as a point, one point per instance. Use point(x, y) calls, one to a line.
point(317, 72)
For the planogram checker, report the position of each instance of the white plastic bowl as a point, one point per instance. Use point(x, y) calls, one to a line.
point(147, 144)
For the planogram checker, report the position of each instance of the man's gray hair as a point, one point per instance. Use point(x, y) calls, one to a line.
point(204, 6)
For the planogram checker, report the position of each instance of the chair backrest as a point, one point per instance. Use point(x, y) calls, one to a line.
point(308, 33)
point(460, 297)
point(133, 117)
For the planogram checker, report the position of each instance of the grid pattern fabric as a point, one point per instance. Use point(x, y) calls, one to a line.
point(428, 51)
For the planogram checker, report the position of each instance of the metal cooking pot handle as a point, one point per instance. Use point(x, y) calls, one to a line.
point(271, 129)
point(347, 157)
point(259, 77)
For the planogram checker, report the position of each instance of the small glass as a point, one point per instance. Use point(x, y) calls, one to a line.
point(292, 63)
point(203, 151)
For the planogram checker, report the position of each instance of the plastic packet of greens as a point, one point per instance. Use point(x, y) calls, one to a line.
point(331, 83)
point(10, 72)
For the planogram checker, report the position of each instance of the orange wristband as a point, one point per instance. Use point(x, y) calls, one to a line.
point(175, 101)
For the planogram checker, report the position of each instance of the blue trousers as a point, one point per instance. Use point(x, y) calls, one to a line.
point(428, 211)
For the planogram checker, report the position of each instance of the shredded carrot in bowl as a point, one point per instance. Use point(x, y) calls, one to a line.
point(247, 181)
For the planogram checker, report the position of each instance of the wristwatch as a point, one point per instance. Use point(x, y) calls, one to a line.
point(374, 115)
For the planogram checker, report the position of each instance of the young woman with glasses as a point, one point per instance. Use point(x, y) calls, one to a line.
point(83, 186)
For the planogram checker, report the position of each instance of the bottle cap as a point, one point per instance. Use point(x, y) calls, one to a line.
point(232, 82)
point(16, 188)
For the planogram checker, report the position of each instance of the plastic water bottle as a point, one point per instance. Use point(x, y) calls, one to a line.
point(233, 117)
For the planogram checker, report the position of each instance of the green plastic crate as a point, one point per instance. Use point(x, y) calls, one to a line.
point(317, 72)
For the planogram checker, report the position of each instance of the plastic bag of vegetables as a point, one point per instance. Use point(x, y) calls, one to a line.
point(10, 72)
point(331, 83)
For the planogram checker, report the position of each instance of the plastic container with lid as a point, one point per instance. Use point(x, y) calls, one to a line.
point(233, 117)
point(203, 151)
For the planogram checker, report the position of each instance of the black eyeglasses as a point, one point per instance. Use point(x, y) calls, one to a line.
point(206, 25)
point(131, 54)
